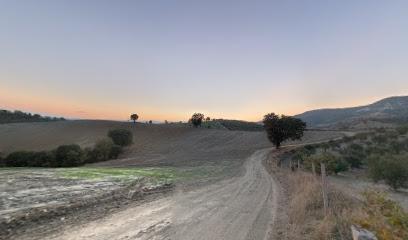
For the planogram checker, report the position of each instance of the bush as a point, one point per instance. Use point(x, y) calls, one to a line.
point(43, 159)
point(104, 150)
point(69, 156)
point(392, 169)
point(121, 137)
point(115, 151)
point(354, 155)
point(384, 217)
point(19, 159)
point(333, 164)
point(402, 130)
point(380, 139)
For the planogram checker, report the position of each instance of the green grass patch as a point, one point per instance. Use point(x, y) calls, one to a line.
point(121, 174)
point(153, 175)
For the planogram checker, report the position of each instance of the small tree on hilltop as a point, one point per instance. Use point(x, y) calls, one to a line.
point(282, 128)
point(197, 119)
point(134, 117)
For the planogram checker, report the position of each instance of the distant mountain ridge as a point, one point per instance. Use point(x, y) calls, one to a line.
point(381, 113)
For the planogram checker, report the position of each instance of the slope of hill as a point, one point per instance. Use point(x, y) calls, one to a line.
point(381, 113)
point(234, 125)
point(154, 144)
point(19, 116)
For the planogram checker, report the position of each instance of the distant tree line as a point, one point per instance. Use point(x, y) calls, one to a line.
point(19, 116)
point(72, 155)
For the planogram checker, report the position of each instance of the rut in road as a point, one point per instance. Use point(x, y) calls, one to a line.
point(242, 207)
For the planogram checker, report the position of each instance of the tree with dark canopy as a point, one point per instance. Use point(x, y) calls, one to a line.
point(197, 119)
point(282, 128)
point(121, 137)
point(134, 117)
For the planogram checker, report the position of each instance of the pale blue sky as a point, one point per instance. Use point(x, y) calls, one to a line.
point(230, 59)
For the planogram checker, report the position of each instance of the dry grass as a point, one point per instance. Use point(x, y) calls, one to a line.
point(306, 215)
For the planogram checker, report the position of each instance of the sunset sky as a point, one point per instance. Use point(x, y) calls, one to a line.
point(227, 59)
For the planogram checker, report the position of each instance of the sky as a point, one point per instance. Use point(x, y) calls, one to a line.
point(164, 59)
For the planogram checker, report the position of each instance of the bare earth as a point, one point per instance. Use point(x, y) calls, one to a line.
point(242, 207)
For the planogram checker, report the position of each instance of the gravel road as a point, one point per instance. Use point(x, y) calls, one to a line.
point(242, 207)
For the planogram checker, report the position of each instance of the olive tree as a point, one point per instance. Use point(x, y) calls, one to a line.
point(282, 128)
point(197, 119)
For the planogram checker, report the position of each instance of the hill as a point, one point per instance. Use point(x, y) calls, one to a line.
point(154, 144)
point(19, 116)
point(383, 113)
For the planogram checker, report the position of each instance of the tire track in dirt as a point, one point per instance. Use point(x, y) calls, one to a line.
point(242, 207)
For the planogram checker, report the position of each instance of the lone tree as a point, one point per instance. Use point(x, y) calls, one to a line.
point(134, 117)
point(282, 128)
point(197, 119)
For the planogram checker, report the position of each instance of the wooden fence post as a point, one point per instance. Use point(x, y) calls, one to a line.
point(313, 169)
point(324, 188)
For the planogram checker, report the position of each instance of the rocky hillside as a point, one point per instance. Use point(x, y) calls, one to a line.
point(383, 113)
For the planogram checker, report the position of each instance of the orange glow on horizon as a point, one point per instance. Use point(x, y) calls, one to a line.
point(61, 108)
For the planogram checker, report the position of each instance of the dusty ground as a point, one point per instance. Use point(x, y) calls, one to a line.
point(242, 207)
point(239, 204)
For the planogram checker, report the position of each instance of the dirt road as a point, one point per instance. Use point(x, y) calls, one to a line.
point(242, 207)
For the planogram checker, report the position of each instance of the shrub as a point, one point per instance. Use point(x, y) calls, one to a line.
point(395, 173)
point(69, 155)
point(380, 139)
point(121, 137)
point(392, 169)
point(375, 170)
point(115, 151)
point(354, 155)
point(19, 159)
point(333, 164)
point(43, 159)
point(104, 150)
point(361, 136)
point(384, 217)
point(402, 130)
point(30, 159)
